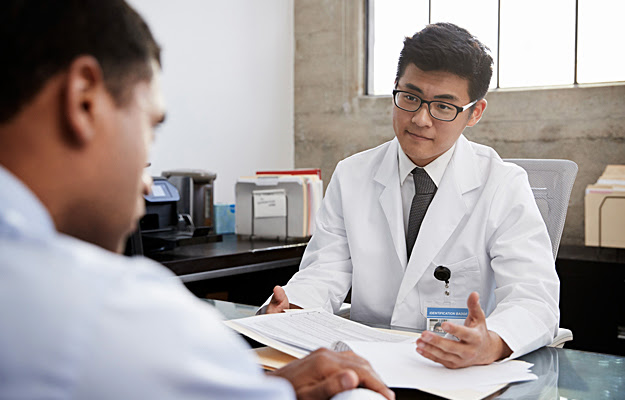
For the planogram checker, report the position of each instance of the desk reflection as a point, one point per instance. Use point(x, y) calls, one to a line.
point(546, 368)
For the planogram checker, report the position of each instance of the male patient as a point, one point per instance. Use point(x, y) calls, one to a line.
point(431, 221)
point(79, 101)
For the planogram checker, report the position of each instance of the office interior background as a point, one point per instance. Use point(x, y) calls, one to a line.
point(278, 84)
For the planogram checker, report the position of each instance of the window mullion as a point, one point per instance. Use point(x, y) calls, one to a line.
point(576, 33)
point(498, 39)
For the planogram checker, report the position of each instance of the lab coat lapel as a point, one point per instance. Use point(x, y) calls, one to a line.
point(390, 200)
point(444, 213)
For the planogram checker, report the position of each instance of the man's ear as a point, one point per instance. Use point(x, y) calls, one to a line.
point(478, 111)
point(84, 88)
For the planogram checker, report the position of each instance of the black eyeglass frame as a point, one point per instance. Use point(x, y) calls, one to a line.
point(458, 109)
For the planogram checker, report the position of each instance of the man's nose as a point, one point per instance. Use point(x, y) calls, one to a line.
point(422, 116)
point(146, 181)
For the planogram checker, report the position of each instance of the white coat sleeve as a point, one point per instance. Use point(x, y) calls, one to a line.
point(325, 274)
point(527, 290)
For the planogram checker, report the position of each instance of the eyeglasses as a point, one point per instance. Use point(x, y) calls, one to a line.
point(438, 109)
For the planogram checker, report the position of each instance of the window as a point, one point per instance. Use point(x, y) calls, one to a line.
point(533, 42)
point(536, 48)
point(600, 54)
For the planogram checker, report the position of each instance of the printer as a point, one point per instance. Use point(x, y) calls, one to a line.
point(164, 226)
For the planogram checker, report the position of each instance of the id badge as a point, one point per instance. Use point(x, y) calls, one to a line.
point(446, 308)
point(436, 314)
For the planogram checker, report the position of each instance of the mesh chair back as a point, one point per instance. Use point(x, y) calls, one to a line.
point(551, 182)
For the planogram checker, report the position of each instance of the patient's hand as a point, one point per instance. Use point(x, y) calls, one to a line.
point(324, 373)
point(279, 302)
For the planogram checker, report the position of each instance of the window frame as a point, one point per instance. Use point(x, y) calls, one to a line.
point(368, 54)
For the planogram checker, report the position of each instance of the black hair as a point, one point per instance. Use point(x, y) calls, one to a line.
point(41, 38)
point(447, 47)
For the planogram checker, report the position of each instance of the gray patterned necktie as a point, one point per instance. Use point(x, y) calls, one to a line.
point(424, 193)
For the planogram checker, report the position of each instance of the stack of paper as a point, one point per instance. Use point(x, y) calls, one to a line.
point(313, 188)
point(612, 180)
point(392, 355)
point(400, 366)
point(278, 205)
point(299, 332)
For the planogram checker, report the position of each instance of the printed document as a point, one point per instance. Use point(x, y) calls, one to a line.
point(392, 355)
point(299, 332)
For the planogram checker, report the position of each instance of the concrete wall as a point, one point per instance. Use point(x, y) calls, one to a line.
point(334, 120)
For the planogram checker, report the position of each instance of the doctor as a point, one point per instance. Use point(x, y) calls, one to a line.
point(431, 198)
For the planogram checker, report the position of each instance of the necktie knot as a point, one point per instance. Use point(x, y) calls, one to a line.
point(422, 182)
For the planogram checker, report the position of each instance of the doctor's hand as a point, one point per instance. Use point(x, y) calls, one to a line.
point(324, 373)
point(476, 346)
point(279, 302)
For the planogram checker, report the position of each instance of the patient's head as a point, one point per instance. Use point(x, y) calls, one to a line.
point(79, 102)
point(41, 38)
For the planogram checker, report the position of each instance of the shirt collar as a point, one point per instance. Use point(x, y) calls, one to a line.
point(21, 211)
point(435, 169)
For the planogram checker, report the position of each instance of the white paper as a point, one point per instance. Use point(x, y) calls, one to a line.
point(611, 181)
point(307, 330)
point(359, 394)
point(399, 365)
point(392, 356)
point(269, 203)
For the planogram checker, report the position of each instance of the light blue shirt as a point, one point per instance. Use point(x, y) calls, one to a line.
point(79, 322)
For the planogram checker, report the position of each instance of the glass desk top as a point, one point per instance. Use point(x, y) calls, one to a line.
point(562, 373)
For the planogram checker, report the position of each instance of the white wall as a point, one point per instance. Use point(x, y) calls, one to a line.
point(228, 85)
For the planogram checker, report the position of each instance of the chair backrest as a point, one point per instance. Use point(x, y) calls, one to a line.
point(551, 182)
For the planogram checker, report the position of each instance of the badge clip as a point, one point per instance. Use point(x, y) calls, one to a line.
point(443, 274)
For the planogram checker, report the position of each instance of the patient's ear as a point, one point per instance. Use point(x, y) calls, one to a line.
point(83, 90)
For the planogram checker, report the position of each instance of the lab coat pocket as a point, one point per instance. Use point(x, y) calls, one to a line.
point(464, 279)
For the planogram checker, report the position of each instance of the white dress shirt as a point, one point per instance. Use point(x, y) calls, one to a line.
point(435, 170)
point(79, 322)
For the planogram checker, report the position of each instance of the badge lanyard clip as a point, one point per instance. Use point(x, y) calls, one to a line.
point(443, 274)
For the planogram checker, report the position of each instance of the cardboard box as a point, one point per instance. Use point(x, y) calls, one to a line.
point(605, 209)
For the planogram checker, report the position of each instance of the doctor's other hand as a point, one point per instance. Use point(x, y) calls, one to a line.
point(279, 302)
point(324, 373)
point(476, 345)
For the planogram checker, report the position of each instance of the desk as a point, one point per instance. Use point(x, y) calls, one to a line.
point(562, 373)
point(237, 270)
point(245, 271)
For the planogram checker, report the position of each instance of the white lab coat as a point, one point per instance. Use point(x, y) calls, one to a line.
point(483, 224)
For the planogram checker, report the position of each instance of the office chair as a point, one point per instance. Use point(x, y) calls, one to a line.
point(551, 182)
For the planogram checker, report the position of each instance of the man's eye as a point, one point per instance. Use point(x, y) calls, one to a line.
point(411, 98)
point(443, 107)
